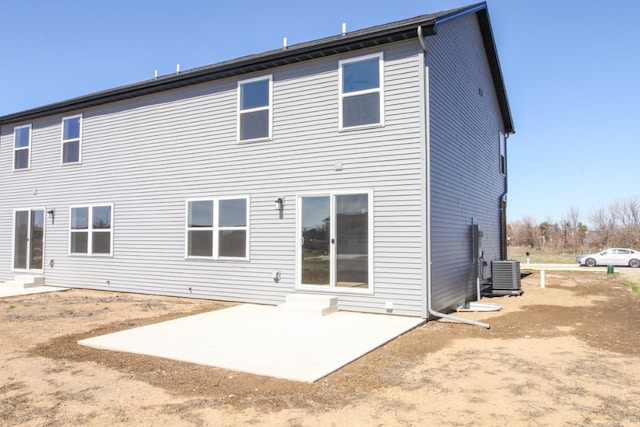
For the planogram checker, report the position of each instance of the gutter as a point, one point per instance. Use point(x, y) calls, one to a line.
point(427, 149)
point(461, 12)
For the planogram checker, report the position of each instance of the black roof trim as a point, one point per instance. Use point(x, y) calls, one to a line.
point(496, 70)
point(352, 41)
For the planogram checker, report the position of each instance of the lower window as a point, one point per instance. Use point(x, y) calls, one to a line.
point(91, 230)
point(217, 228)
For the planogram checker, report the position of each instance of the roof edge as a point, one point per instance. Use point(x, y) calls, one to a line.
point(496, 70)
point(358, 39)
point(482, 12)
point(473, 8)
point(332, 45)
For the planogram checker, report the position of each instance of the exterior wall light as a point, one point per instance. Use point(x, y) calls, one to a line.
point(51, 214)
point(279, 203)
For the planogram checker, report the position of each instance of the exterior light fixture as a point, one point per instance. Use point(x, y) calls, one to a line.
point(279, 203)
point(51, 214)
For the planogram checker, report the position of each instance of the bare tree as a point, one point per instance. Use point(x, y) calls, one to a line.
point(630, 213)
point(617, 224)
point(629, 227)
point(604, 224)
point(525, 232)
point(572, 233)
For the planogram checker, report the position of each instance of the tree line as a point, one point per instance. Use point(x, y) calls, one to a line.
point(616, 225)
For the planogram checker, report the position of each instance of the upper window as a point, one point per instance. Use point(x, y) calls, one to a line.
point(361, 91)
point(254, 109)
point(22, 147)
point(91, 230)
point(71, 142)
point(217, 228)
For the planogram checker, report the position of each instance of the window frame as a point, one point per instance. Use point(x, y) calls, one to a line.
point(27, 148)
point(380, 90)
point(90, 230)
point(333, 287)
point(216, 228)
point(30, 230)
point(269, 108)
point(64, 141)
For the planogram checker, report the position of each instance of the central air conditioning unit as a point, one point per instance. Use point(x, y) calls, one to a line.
point(505, 275)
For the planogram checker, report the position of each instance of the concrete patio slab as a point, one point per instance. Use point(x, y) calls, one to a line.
point(262, 340)
point(11, 291)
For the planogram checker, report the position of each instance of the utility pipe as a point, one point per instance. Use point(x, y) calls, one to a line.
point(430, 309)
point(503, 201)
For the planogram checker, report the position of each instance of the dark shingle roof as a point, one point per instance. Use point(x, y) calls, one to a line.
point(351, 41)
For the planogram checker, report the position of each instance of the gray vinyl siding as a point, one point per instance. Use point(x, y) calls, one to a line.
point(466, 184)
point(150, 154)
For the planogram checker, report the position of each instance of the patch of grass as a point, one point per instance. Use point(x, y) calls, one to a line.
point(633, 284)
point(540, 255)
point(11, 307)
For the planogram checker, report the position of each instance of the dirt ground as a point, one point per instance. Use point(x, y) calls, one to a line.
point(566, 354)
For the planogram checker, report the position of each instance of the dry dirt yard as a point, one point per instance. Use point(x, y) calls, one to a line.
point(566, 354)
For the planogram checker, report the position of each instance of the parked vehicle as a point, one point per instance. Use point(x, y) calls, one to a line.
point(612, 256)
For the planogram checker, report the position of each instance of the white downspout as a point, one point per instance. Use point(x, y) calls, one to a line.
point(427, 149)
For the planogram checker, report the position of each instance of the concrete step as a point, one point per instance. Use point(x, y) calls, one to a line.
point(23, 281)
point(317, 305)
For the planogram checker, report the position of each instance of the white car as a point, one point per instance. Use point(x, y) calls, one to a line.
point(613, 256)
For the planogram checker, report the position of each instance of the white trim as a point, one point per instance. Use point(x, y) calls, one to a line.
point(28, 148)
point(215, 229)
point(187, 228)
point(425, 185)
point(268, 108)
point(63, 141)
point(380, 90)
point(90, 231)
point(333, 288)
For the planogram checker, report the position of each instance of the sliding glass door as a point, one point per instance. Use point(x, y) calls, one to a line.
point(28, 239)
point(315, 233)
point(352, 240)
point(334, 240)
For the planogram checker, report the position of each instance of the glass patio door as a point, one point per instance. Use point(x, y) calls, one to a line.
point(28, 240)
point(334, 240)
point(315, 230)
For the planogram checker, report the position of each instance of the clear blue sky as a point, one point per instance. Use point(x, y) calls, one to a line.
point(572, 71)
